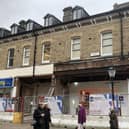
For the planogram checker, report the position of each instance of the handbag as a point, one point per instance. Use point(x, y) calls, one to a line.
point(33, 123)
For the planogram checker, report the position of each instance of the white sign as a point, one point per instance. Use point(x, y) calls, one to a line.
point(52, 103)
point(99, 105)
point(6, 105)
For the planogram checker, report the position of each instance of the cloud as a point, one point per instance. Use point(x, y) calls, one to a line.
point(15, 10)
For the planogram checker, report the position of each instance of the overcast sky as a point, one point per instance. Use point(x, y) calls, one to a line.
point(12, 11)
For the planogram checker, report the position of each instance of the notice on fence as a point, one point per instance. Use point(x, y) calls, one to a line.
point(52, 103)
point(99, 105)
point(6, 105)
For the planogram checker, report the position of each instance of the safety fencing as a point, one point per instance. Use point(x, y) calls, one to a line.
point(96, 104)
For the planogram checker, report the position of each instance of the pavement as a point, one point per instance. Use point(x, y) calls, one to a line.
point(10, 125)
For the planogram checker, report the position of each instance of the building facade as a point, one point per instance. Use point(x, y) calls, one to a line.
point(70, 56)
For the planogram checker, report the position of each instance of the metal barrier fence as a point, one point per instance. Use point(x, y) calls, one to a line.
point(96, 104)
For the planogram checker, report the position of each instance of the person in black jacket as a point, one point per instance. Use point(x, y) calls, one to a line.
point(39, 117)
point(47, 117)
point(113, 120)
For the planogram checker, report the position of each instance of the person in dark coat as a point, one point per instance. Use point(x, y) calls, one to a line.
point(113, 120)
point(47, 116)
point(39, 117)
point(81, 115)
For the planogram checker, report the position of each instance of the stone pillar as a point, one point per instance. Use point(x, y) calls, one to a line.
point(17, 94)
point(128, 97)
point(125, 102)
point(18, 86)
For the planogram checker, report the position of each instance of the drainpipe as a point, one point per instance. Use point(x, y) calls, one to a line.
point(35, 51)
point(121, 36)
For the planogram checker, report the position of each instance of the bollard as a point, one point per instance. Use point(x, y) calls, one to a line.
point(113, 120)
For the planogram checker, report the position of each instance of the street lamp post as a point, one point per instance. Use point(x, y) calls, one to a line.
point(112, 72)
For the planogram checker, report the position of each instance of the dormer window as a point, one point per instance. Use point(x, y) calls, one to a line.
point(77, 13)
point(14, 30)
point(29, 26)
point(48, 21)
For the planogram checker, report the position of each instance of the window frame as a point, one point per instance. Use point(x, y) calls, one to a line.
point(48, 21)
point(10, 58)
point(29, 26)
point(102, 46)
point(72, 42)
point(14, 29)
point(76, 14)
point(23, 60)
point(43, 50)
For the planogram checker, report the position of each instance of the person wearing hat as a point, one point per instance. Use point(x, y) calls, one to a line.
point(39, 117)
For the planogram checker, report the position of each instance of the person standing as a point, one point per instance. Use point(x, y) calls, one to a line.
point(47, 117)
point(39, 117)
point(113, 120)
point(81, 116)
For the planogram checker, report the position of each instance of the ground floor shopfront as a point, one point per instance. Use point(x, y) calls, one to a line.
point(70, 83)
point(90, 79)
point(17, 83)
point(100, 97)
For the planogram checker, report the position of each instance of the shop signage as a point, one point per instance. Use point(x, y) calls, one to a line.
point(121, 98)
point(6, 82)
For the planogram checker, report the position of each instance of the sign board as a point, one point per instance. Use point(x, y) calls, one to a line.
point(100, 104)
point(6, 82)
point(121, 98)
point(53, 103)
point(6, 105)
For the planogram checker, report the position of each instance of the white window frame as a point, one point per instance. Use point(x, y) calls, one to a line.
point(44, 61)
point(24, 51)
point(48, 21)
point(72, 42)
point(77, 13)
point(29, 26)
point(107, 54)
point(14, 30)
point(8, 61)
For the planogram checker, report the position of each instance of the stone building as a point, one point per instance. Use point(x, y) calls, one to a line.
point(78, 50)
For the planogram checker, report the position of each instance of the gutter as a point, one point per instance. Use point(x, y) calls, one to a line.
point(35, 52)
point(121, 36)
